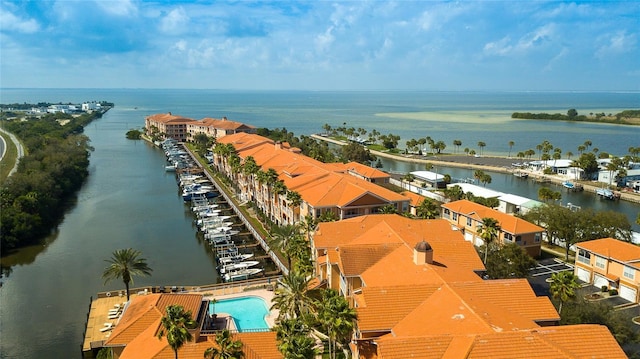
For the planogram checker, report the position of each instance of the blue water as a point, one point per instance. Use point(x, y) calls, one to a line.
point(247, 312)
point(471, 117)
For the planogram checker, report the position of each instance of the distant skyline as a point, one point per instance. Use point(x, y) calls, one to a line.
point(321, 45)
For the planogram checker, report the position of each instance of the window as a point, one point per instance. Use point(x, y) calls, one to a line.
point(537, 237)
point(629, 272)
point(519, 239)
point(584, 256)
point(446, 213)
point(455, 216)
point(508, 237)
point(469, 221)
point(601, 262)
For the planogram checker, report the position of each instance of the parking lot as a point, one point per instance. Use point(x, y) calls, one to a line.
point(543, 271)
point(546, 267)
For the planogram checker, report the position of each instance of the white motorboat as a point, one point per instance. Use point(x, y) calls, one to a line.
point(235, 266)
point(241, 274)
point(234, 258)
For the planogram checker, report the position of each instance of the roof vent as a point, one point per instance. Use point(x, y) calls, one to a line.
point(422, 253)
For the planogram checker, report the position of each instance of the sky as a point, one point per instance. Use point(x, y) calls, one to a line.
point(321, 45)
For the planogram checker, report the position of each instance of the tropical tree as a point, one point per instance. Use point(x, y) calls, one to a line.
point(292, 295)
point(295, 200)
point(336, 318)
point(388, 209)
point(454, 193)
point(509, 261)
point(124, 264)
point(227, 347)
point(511, 143)
point(457, 144)
point(427, 209)
point(563, 287)
point(488, 231)
point(282, 238)
point(486, 178)
point(294, 339)
point(482, 145)
point(175, 325)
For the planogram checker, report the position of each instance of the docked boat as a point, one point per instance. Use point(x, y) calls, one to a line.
point(170, 168)
point(607, 194)
point(235, 266)
point(241, 274)
point(214, 237)
point(190, 195)
point(521, 174)
point(234, 258)
point(572, 186)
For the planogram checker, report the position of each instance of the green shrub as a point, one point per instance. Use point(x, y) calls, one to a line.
point(604, 288)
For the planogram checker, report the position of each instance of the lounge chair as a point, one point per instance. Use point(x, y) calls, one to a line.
point(106, 327)
point(113, 316)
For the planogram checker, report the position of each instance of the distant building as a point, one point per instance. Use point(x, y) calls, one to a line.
point(610, 263)
point(467, 217)
point(416, 290)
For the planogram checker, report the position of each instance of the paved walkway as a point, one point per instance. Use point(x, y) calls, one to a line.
point(18, 146)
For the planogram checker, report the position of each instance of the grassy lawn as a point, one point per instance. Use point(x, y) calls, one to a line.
point(9, 159)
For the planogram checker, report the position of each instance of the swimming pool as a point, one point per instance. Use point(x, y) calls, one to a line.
point(248, 312)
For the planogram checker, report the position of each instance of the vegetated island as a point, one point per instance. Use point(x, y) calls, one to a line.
point(33, 200)
point(626, 117)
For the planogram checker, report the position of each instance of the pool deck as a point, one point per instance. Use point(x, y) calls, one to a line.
point(100, 321)
point(265, 294)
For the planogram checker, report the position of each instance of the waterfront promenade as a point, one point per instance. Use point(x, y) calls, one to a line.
point(485, 163)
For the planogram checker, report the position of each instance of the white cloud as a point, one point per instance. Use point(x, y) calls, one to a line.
point(175, 22)
point(323, 41)
point(536, 38)
point(617, 43)
point(13, 23)
point(500, 47)
point(118, 7)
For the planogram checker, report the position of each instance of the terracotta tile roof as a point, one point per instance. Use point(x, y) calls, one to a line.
point(225, 124)
point(263, 344)
point(317, 183)
point(414, 199)
point(433, 347)
point(508, 223)
point(541, 343)
point(514, 295)
point(169, 118)
point(354, 260)
point(449, 245)
point(364, 171)
point(612, 248)
point(396, 302)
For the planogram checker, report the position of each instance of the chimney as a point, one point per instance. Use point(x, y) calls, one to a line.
point(224, 118)
point(422, 253)
point(278, 145)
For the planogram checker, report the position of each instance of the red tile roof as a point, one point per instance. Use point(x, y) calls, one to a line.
point(612, 248)
point(508, 223)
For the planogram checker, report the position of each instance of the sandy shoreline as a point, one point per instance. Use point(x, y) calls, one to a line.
point(485, 163)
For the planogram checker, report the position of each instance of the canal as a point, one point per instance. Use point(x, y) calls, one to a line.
point(526, 188)
point(128, 201)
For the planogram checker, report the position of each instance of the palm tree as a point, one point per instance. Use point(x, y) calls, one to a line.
point(427, 209)
point(511, 143)
point(295, 200)
point(175, 326)
point(482, 145)
point(227, 347)
point(125, 263)
point(336, 318)
point(563, 286)
point(457, 144)
point(294, 340)
point(292, 296)
point(388, 209)
point(282, 237)
point(488, 231)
